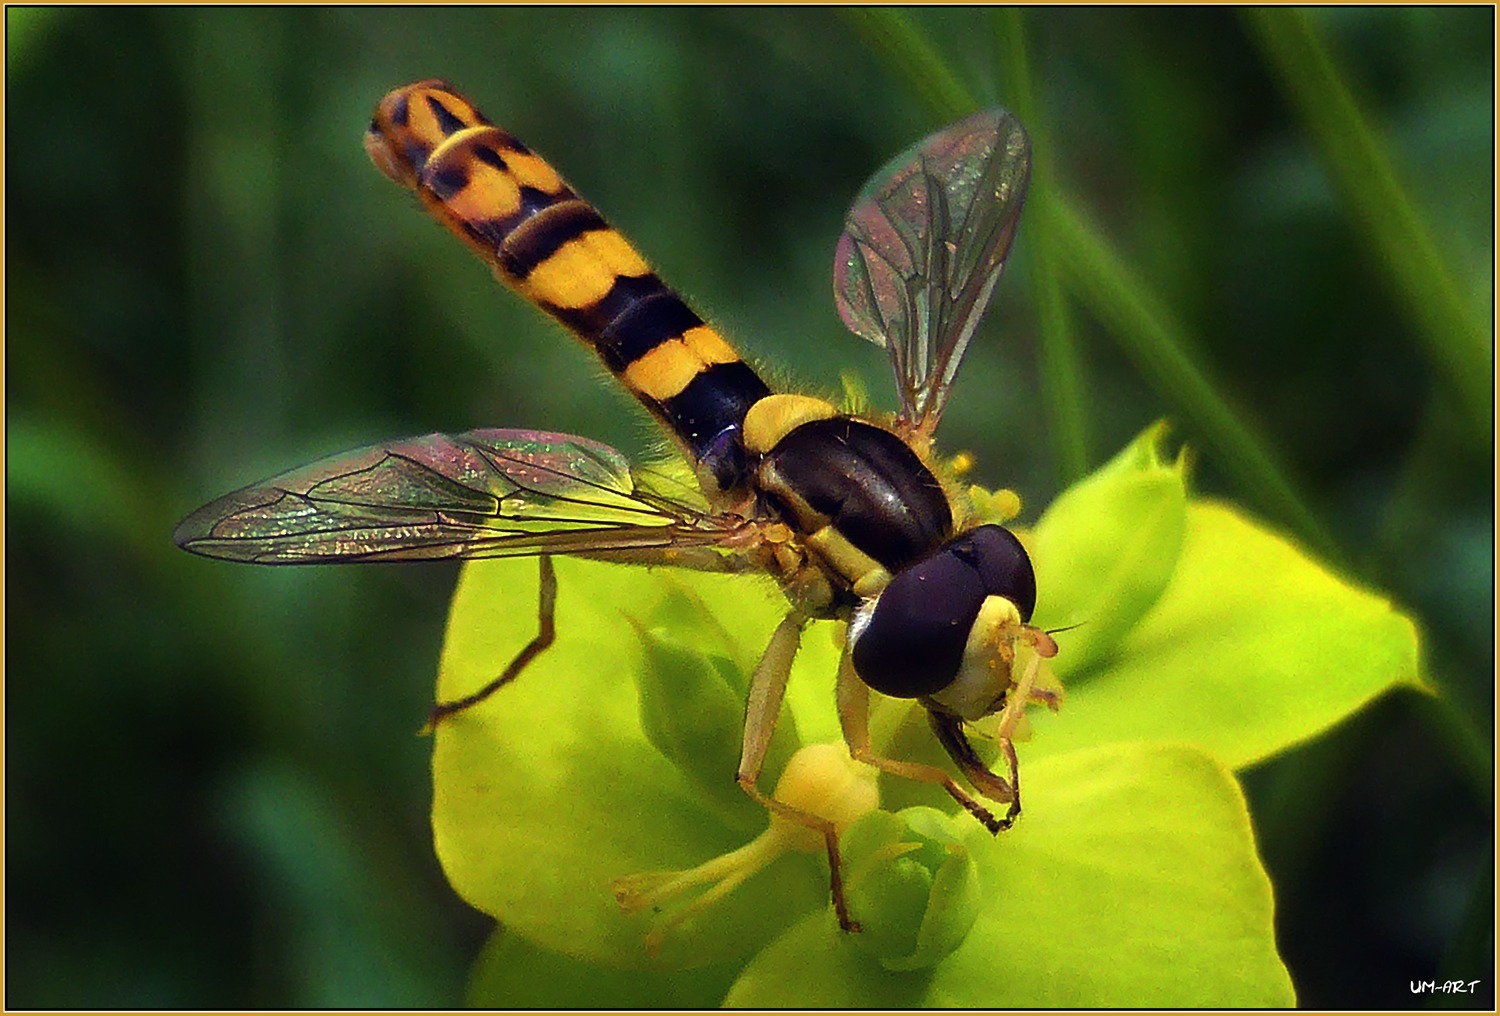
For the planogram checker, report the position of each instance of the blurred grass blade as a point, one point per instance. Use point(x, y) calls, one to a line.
point(1158, 347)
point(48, 466)
point(1454, 340)
point(1060, 369)
point(26, 32)
point(1472, 750)
point(901, 45)
point(1473, 944)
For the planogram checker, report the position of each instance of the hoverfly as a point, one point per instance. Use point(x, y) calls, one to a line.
point(856, 517)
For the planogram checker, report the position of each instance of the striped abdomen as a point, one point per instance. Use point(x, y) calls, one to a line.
point(524, 220)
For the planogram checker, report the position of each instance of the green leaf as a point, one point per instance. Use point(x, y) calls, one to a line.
point(692, 683)
point(1253, 647)
point(511, 973)
point(1133, 881)
point(1107, 548)
point(548, 791)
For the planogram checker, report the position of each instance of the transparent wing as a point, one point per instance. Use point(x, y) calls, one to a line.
point(923, 247)
point(485, 493)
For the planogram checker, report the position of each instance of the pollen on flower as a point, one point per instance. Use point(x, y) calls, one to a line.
point(961, 463)
point(820, 780)
point(823, 780)
point(996, 506)
point(1038, 685)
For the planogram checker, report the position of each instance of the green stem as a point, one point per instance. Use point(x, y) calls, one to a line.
point(1061, 368)
point(905, 50)
point(1158, 346)
point(1458, 346)
point(1471, 751)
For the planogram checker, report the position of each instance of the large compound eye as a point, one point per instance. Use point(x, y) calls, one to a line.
point(912, 643)
point(914, 640)
point(1003, 564)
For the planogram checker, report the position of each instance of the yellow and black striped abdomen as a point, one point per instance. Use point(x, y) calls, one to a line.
point(523, 219)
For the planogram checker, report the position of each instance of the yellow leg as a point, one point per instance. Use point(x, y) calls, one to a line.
point(854, 716)
point(767, 688)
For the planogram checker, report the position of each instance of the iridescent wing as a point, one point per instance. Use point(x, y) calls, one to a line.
point(485, 493)
point(923, 247)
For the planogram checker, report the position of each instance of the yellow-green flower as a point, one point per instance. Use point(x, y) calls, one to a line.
point(1200, 643)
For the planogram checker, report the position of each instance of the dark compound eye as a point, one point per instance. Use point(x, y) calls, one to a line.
point(914, 641)
point(1003, 564)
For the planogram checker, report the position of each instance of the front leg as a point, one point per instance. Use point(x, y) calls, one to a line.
point(950, 733)
point(854, 716)
point(762, 708)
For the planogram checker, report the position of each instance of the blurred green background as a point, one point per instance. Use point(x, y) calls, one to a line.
point(214, 794)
